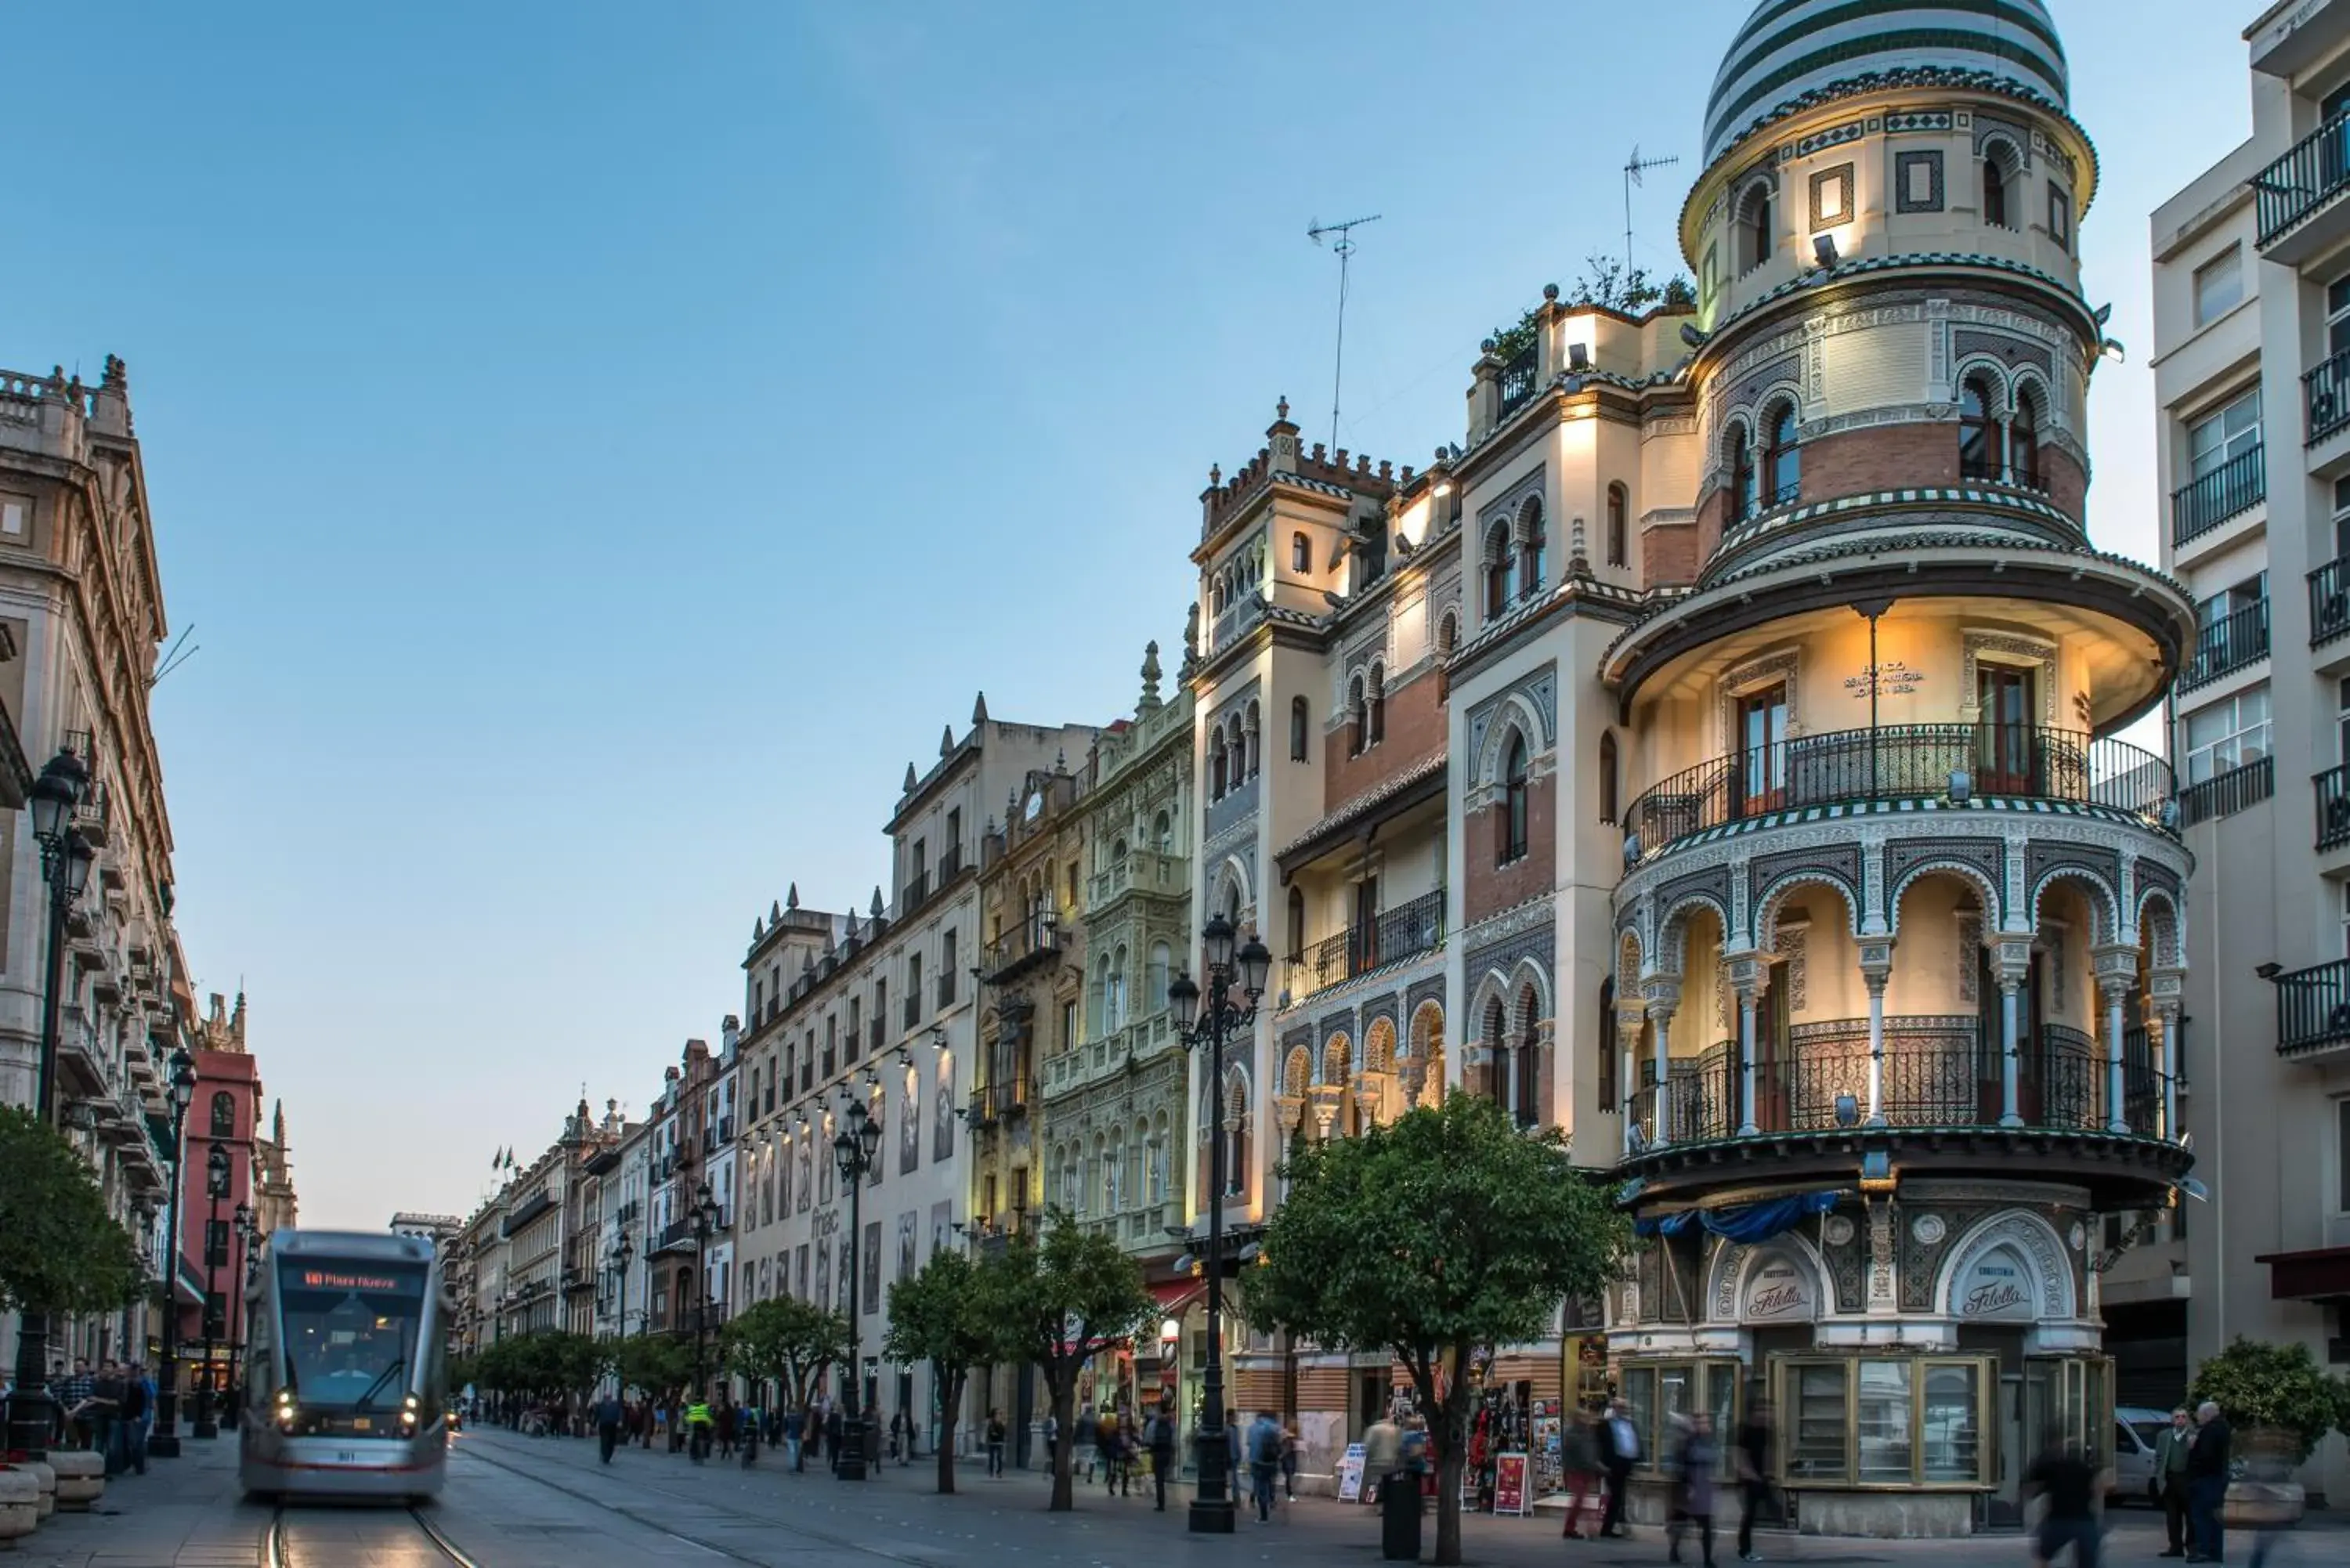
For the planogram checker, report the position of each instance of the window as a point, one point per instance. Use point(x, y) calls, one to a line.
point(1979, 456)
point(1608, 1047)
point(1068, 1024)
point(1754, 229)
point(1513, 799)
point(2227, 736)
point(1608, 776)
point(224, 1113)
point(954, 830)
point(1358, 718)
point(1740, 458)
point(1216, 761)
point(1156, 977)
point(2225, 434)
point(946, 966)
point(1448, 632)
point(1949, 1428)
point(1301, 554)
point(15, 515)
point(1617, 506)
point(1252, 741)
point(2219, 285)
point(2023, 443)
point(1298, 731)
point(1782, 458)
point(216, 1243)
point(1996, 191)
point(1761, 749)
point(913, 982)
point(1296, 947)
point(1817, 1450)
point(1378, 704)
point(1881, 1421)
point(2342, 1156)
point(2060, 214)
point(1533, 547)
point(1501, 571)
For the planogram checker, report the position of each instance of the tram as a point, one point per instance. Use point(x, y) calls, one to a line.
point(344, 1374)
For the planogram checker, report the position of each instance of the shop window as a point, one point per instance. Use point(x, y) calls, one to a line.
point(1881, 1422)
point(1819, 1413)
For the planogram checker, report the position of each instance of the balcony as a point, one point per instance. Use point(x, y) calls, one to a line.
point(2233, 488)
point(949, 863)
point(2325, 398)
point(677, 1236)
point(946, 987)
point(2332, 787)
point(2329, 602)
point(2313, 1010)
point(2299, 188)
point(1032, 942)
point(1145, 870)
point(917, 890)
point(1394, 935)
point(1901, 761)
point(1518, 380)
point(913, 1010)
point(540, 1203)
point(2227, 794)
point(2237, 639)
point(1000, 1102)
point(1939, 1073)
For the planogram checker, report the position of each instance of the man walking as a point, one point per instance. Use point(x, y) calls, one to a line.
point(996, 1442)
point(138, 1413)
point(2170, 1452)
point(1160, 1434)
point(609, 1414)
point(1700, 1461)
point(1264, 1462)
point(1620, 1450)
point(2073, 1486)
point(2207, 1484)
point(1088, 1437)
point(1382, 1451)
point(1753, 1474)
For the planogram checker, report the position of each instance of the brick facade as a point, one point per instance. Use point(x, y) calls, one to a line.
point(1414, 728)
point(1493, 887)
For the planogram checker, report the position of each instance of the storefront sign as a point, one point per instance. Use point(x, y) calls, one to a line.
point(1509, 1484)
point(1997, 1288)
point(1777, 1289)
point(1350, 1474)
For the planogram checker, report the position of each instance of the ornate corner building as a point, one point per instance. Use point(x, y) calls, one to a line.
point(1716, 758)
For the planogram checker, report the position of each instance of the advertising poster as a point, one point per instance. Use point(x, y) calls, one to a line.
point(1509, 1484)
point(1350, 1474)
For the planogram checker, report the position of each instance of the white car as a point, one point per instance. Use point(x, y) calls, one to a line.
point(2135, 1429)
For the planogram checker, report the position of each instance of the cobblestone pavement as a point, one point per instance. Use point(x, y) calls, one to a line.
point(522, 1503)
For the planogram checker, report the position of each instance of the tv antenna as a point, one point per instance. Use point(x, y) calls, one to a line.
point(1343, 247)
point(1634, 167)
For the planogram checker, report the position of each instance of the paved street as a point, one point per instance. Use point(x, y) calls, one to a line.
point(519, 1502)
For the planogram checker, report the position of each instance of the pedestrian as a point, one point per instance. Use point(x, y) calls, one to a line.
point(698, 1425)
point(1699, 1465)
point(1088, 1437)
point(1161, 1436)
point(610, 1416)
point(1382, 1450)
point(1753, 1474)
point(71, 1394)
point(138, 1410)
point(1578, 1451)
point(793, 1421)
point(1619, 1451)
point(2072, 1485)
point(996, 1442)
point(99, 1412)
point(1053, 1443)
point(727, 1418)
point(1264, 1462)
point(1106, 1440)
point(2171, 1448)
point(747, 1423)
point(1289, 1446)
point(2207, 1484)
point(833, 1426)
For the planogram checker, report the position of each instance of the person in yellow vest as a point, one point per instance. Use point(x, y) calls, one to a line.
point(698, 1427)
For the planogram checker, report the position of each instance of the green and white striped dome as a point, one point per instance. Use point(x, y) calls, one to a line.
point(1790, 48)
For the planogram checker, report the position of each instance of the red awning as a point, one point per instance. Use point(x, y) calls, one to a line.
point(2318, 1275)
point(1174, 1295)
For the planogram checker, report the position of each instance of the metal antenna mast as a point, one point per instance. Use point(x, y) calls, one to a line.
point(1633, 169)
point(1343, 246)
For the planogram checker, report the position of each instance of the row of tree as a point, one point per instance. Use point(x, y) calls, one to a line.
point(61, 1250)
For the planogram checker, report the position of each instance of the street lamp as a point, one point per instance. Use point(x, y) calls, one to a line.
point(853, 1151)
point(216, 1172)
point(244, 1233)
point(1227, 971)
point(165, 1441)
point(706, 1220)
point(621, 1252)
point(66, 857)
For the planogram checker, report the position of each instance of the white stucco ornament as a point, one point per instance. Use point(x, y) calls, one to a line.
point(1928, 1230)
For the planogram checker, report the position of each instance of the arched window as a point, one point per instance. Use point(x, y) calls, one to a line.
point(1978, 454)
point(1448, 634)
point(1608, 776)
point(1756, 237)
point(1116, 992)
point(1782, 458)
point(1296, 947)
point(1378, 705)
point(1162, 833)
point(1742, 475)
point(1608, 1047)
point(1996, 204)
point(1253, 737)
point(1533, 547)
point(1299, 730)
point(1495, 1031)
point(2023, 443)
point(1501, 571)
point(1216, 766)
point(1157, 976)
point(224, 1113)
point(1619, 505)
point(1358, 718)
point(1525, 1078)
point(1513, 799)
point(1301, 553)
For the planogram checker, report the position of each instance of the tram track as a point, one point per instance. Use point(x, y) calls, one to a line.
point(277, 1552)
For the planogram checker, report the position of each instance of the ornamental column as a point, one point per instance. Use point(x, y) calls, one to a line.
point(2116, 967)
point(1664, 1000)
point(2165, 987)
point(1631, 1014)
point(2011, 962)
point(1746, 975)
point(1875, 968)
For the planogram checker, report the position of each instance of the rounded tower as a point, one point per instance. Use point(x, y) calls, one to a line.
point(1901, 928)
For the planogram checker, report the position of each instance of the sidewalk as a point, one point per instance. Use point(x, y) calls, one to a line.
point(182, 1513)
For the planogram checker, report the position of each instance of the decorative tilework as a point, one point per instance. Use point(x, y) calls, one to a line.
point(1832, 197)
point(1917, 181)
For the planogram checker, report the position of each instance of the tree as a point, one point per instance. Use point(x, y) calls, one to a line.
point(658, 1364)
point(1057, 1302)
point(939, 1316)
point(61, 1250)
point(2277, 1387)
point(1435, 1239)
point(786, 1340)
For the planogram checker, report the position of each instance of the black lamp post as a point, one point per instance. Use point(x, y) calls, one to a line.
point(1211, 1503)
point(216, 1188)
point(66, 857)
point(164, 1443)
point(853, 1151)
point(623, 1250)
point(245, 1234)
point(706, 1220)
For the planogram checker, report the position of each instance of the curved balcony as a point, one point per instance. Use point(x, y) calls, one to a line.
point(1954, 764)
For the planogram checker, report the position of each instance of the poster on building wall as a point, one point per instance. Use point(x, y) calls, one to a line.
point(1350, 1474)
point(905, 1247)
point(943, 1121)
point(909, 1123)
point(1510, 1483)
point(872, 1262)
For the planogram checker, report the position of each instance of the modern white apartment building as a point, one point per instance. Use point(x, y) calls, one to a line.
point(2251, 290)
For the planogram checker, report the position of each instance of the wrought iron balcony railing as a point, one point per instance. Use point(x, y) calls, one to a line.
point(2333, 789)
point(2237, 639)
point(1901, 761)
point(2235, 486)
point(2325, 398)
point(1518, 380)
point(2329, 602)
point(2313, 1009)
point(2305, 179)
point(2226, 794)
point(1392, 935)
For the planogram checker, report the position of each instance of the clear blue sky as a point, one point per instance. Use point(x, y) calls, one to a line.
point(599, 446)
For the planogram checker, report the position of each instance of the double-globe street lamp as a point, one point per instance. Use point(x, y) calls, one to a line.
point(705, 1220)
point(165, 1441)
point(1228, 971)
point(853, 1151)
point(66, 857)
point(216, 1175)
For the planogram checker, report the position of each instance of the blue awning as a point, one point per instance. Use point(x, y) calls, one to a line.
point(1745, 1223)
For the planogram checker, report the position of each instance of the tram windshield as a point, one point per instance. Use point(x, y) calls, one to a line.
point(350, 1330)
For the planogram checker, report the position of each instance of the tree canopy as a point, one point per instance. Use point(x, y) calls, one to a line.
point(2276, 1387)
point(543, 1363)
point(784, 1340)
point(61, 1250)
point(940, 1317)
point(658, 1364)
point(1057, 1300)
point(1441, 1236)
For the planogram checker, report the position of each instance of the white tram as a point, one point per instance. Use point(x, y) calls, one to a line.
point(344, 1374)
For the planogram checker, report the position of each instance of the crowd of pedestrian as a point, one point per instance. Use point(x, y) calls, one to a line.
point(110, 1411)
